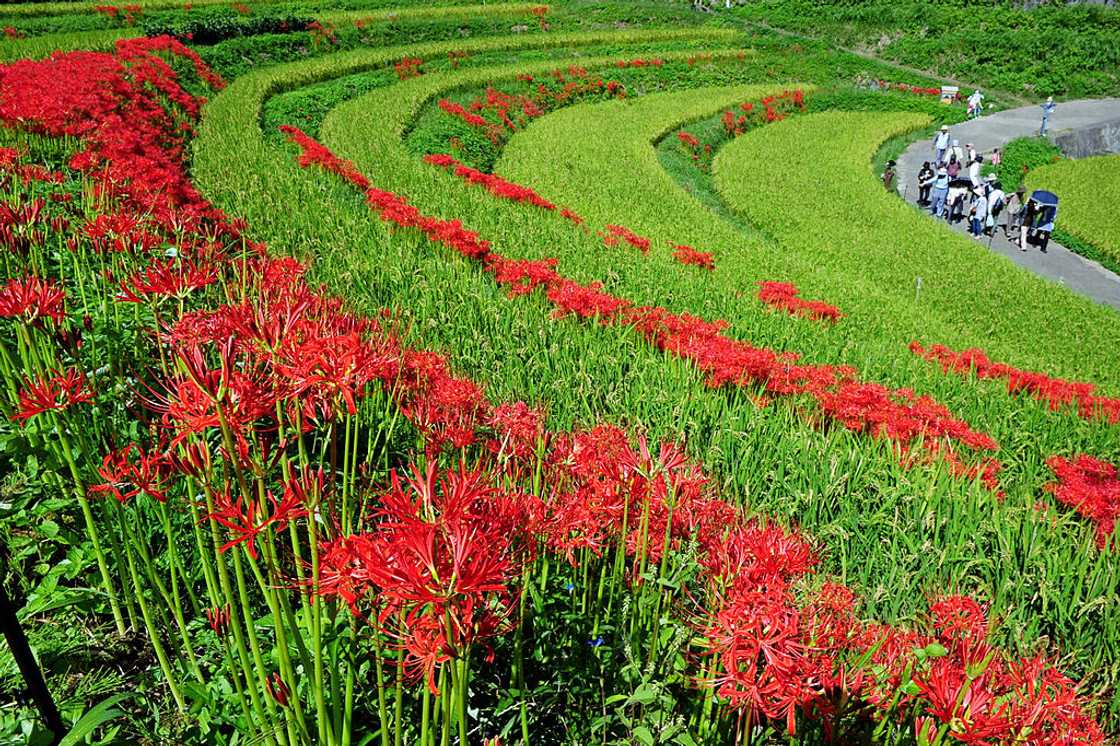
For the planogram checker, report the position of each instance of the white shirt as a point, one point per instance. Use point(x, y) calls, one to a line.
point(975, 99)
point(974, 173)
point(993, 197)
point(942, 141)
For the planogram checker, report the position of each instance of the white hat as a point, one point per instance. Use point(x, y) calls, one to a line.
point(942, 171)
point(944, 128)
point(991, 177)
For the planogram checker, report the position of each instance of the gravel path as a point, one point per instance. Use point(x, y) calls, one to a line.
point(996, 130)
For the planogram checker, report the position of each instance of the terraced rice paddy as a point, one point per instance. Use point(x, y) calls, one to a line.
point(529, 374)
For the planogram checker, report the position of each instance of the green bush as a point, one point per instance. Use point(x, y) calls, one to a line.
point(212, 27)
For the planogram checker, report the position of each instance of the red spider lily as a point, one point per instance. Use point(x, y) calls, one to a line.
point(522, 275)
point(227, 397)
point(325, 369)
point(784, 295)
point(247, 519)
point(31, 299)
point(616, 232)
point(688, 255)
point(55, 390)
point(173, 279)
point(586, 301)
point(129, 472)
point(315, 154)
point(446, 409)
point(519, 431)
point(493, 183)
point(219, 618)
point(640, 62)
point(457, 110)
point(277, 689)
point(441, 560)
point(569, 215)
point(1056, 392)
point(409, 67)
point(1091, 487)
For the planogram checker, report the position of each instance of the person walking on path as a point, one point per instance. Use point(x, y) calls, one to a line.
point(926, 178)
point(1014, 209)
point(888, 175)
point(974, 171)
point(996, 201)
point(975, 104)
point(1047, 110)
point(996, 157)
point(970, 151)
point(940, 192)
point(1029, 217)
point(940, 145)
point(956, 150)
point(953, 167)
point(978, 212)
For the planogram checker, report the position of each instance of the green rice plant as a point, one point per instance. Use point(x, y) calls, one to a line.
point(37, 47)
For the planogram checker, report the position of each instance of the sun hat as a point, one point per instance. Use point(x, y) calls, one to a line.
point(944, 128)
point(942, 171)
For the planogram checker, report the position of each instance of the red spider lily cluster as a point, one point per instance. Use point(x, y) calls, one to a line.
point(640, 62)
point(616, 233)
point(688, 255)
point(255, 366)
point(11, 165)
point(701, 152)
point(899, 416)
point(241, 8)
point(770, 109)
point(786, 297)
point(492, 183)
point(908, 88)
point(52, 391)
point(11, 32)
point(407, 68)
point(497, 114)
point(440, 568)
point(1056, 392)
point(1089, 486)
point(32, 299)
point(322, 34)
point(539, 12)
point(778, 659)
point(127, 13)
point(455, 56)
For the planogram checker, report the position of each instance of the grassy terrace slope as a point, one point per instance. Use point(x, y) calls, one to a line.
point(1090, 193)
point(775, 177)
point(896, 534)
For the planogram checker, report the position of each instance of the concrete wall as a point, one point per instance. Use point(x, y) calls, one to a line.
point(1101, 139)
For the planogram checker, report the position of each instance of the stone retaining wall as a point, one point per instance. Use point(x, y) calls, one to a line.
point(1101, 139)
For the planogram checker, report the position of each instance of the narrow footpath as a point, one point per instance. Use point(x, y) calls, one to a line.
point(1079, 274)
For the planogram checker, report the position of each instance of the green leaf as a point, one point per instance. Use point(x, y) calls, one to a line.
point(643, 735)
point(644, 694)
point(102, 712)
